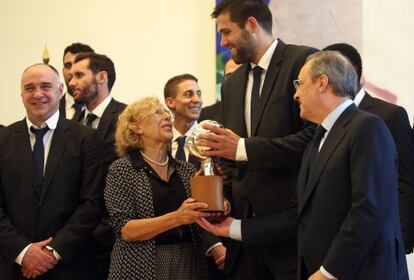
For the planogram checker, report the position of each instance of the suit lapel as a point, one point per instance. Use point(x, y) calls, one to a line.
point(57, 147)
point(269, 82)
point(334, 138)
point(25, 151)
point(107, 117)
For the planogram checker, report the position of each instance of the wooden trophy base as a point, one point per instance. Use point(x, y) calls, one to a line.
point(208, 189)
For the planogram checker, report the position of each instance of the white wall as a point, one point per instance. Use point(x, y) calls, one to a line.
point(149, 42)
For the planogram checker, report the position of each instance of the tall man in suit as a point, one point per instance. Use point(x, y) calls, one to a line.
point(50, 187)
point(92, 81)
point(257, 100)
point(396, 119)
point(68, 107)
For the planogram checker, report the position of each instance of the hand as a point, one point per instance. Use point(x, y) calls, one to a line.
point(189, 211)
point(219, 229)
point(219, 255)
point(222, 141)
point(36, 261)
point(318, 276)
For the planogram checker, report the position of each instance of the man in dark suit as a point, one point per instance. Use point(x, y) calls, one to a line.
point(346, 204)
point(68, 107)
point(91, 84)
point(257, 100)
point(50, 188)
point(396, 119)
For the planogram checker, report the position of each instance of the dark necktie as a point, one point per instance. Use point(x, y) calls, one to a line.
point(180, 150)
point(38, 154)
point(90, 118)
point(254, 104)
point(78, 110)
point(314, 150)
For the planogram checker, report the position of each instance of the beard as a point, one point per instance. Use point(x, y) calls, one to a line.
point(245, 47)
point(88, 94)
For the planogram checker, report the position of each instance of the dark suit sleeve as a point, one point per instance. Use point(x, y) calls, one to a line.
point(274, 229)
point(372, 168)
point(279, 152)
point(79, 227)
point(400, 128)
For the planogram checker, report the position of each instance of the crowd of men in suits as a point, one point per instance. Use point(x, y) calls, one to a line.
point(319, 188)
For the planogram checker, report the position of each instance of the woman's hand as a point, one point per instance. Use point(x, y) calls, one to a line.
point(190, 211)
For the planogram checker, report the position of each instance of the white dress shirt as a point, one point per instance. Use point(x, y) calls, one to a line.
point(47, 140)
point(98, 111)
point(176, 135)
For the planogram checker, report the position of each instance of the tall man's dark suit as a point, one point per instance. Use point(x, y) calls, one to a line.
point(68, 207)
point(396, 119)
point(265, 191)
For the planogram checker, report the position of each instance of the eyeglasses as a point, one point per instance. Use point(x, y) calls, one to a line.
point(297, 83)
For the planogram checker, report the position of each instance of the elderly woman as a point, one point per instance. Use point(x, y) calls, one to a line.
point(147, 196)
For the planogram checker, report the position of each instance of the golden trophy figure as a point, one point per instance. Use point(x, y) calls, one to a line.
point(207, 188)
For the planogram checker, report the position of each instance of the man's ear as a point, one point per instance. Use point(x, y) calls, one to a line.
point(323, 81)
point(251, 25)
point(102, 77)
point(170, 102)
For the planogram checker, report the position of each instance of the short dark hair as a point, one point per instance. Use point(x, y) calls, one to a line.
point(241, 10)
point(76, 48)
point(351, 53)
point(170, 86)
point(99, 62)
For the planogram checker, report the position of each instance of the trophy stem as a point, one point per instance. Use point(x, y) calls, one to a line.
point(208, 167)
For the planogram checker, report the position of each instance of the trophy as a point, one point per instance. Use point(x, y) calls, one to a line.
point(207, 188)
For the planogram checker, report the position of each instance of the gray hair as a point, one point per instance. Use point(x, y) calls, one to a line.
point(339, 70)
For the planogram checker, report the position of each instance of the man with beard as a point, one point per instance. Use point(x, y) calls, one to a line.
point(91, 84)
point(68, 107)
point(257, 102)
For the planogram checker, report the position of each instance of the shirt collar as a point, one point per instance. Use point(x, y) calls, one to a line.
point(359, 96)
point(177, 134)
point(267, 56)
point(99, 110)
point(330, 120)
point(68, 100)
point(51, 122)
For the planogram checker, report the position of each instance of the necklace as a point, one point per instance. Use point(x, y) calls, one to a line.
point(153, 161)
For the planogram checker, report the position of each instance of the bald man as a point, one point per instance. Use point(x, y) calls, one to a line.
point(50, 188)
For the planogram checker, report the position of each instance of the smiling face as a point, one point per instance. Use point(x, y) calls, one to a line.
point(239, 41)
point(187, 102)
point(156, 128)
point(41, 91)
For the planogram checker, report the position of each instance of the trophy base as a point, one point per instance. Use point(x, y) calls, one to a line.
point(208, 189)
